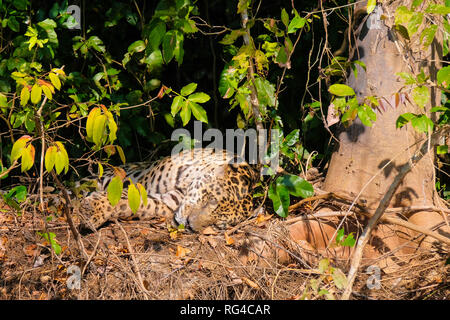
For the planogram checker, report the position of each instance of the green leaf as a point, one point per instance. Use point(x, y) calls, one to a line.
point(371, 4)
point(137, 46)
point(427, 36)
point(349, 241)
point(62, 158)
point(18, 147)
point(198, 111)
point(121, 154)
point(232, 36)
point(156, 35)
point(324, 265)
point(404, 119)
point(50, 158)
point(114, 190)
point(422, 124)
point(341, 90)
point(176, 105)
point(421, 95)
point(284, 17)
point(143, 193)
point(24, 96)
point(99, 129)
point(27, 158)
point(407, 77)
point(266, 92)
point(93, 114)
point(296, 186)
point(339, 279)
point(13, 24)
point(185, 113)
point(443, 76)
point(199, 97)
point(168, 45)
point(134, 199)
point(55, 80)
point(280, 199)
point(36, 92)
point(366, 115)
point(442, 149)
point(188, 89)
point(438, 9)
point(296, 23)
point(292, 138)
point(154, 61)
point(415, 22)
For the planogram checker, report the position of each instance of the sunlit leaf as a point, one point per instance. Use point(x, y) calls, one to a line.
point(114, 190)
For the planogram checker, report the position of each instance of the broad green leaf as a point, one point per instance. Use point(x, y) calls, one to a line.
point(176, 105)
point(121, 154)
point(154, 61)
point(438, 9)
point(50, 158)
point(156, 35)
point(55, 80)
point(198, 111)
point(99, 129)
point(114, 190)
point(371, 4)
point(24, 96)
point(47, 92)
point(199, 97)
point(232, 36)
point(366, 115)
point(296, 186)
point(442, 149)
point(421, 95)
point(13, 24)
point(339, 279)
point(185, 113)
point(341, 90)
point(292, 138)
point(422, 124)
point(340, 235)
point(61, 159)
point(93, 114)
point(402, 15)
point(188, 89)
point(134, 199)
point(404, 119)
point(407, 77)
point(324, 265)
point(266, 92)
point(18, 147)
point(296, 23)
point(36, 92)
point(415, 22)
point(284, 17)
point(427, 36)
point(100, 170)
point(27, 158)
point(137, 46)
point(280, 202)
point(143, 193)
point(168, 45)
point(443, 76)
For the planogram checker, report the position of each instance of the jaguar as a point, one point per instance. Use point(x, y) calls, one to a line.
point(196, 188)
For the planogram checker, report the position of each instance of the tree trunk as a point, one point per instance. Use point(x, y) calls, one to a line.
point(367, 158)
